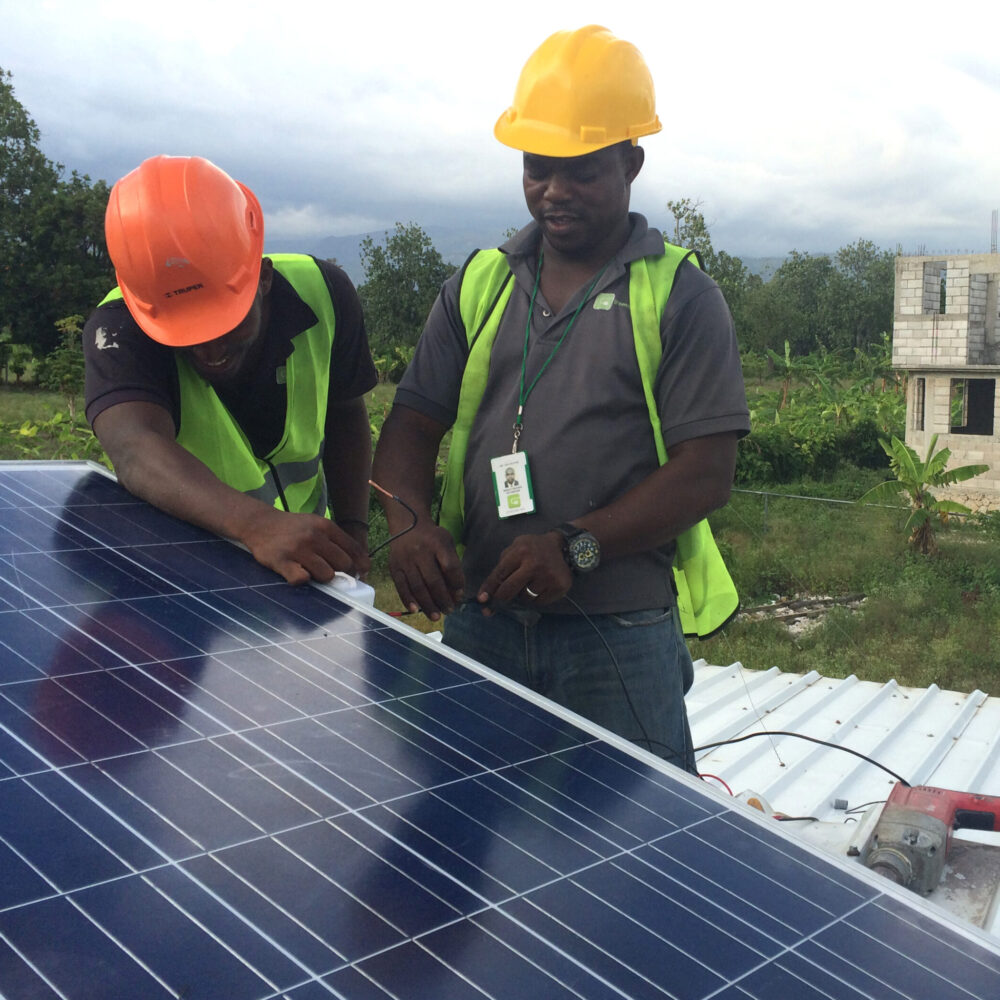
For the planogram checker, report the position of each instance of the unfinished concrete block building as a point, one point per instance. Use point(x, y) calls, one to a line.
point(946, 336)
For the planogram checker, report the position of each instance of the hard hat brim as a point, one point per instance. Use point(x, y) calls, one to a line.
point(544, 139)
point(193, 322)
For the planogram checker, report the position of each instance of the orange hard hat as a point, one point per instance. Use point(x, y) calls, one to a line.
point(580, 91)
point(186, 241)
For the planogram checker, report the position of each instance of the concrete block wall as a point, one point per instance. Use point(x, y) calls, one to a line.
point(966, 449)
point(991, 321)
point(964, 333)
point(939, 410)
point(931, 300)
point(909, 293)
point(978, 284)
point(930, 340)
point(956, 297)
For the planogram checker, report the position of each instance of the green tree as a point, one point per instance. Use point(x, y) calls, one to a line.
point(25, 174)
point(6, 350)
point(858, 298)
point(788, 367)
point(62, 370)
point(915, 479)
point(730, 273)
point(53, 260)
point(691, 230)
point(14, 358)
point(814, 302)
point(769, 318)
point(802, 280)
point(17, 363)
point(402, 278)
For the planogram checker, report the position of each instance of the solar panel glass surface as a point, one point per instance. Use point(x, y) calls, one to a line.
point(216, 785)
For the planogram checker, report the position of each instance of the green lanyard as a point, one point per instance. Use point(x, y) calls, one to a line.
point(524, 393)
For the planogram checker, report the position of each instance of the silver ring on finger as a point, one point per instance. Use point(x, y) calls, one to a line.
point(530, 592)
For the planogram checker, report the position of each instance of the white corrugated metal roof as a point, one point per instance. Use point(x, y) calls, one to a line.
point(926, 735)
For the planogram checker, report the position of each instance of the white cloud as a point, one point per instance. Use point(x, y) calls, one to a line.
point(798, 126)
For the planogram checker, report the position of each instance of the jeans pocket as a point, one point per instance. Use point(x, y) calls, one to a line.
point(644, 618)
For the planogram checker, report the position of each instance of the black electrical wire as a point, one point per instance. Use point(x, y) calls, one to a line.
point(399, 534)
point(802, 736)
point(863, 807)
point(628, 698)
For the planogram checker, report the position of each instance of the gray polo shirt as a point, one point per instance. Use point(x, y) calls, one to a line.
point(586, 428)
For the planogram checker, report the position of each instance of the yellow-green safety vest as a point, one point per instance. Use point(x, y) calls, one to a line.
point(291, 476)
point(706, 595)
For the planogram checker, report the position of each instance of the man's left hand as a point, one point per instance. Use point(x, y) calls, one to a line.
point(531, 570)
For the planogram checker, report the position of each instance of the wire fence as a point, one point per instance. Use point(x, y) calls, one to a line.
point(768, 494)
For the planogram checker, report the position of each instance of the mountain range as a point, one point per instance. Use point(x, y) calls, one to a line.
point(454, 245)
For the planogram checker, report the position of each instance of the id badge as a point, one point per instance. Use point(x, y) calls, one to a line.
point(512, 484)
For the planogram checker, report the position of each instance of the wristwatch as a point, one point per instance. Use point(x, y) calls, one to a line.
point(581, 550)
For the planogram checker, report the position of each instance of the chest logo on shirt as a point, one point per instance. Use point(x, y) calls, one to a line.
point(102, 339)
point(606, 301)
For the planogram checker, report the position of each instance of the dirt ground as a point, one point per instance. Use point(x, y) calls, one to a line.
point(977, 501)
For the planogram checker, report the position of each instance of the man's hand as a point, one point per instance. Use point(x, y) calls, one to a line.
point(427, 571)
point(424, 564)
point(304, 546)
point(531, 569)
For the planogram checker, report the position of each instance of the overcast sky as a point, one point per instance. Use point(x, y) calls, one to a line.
point(798, 126)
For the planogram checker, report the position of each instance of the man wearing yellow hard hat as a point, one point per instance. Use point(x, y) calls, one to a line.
point(600, 364)
point(227, 387)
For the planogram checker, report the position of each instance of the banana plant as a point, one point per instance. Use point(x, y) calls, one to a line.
point(915, 478)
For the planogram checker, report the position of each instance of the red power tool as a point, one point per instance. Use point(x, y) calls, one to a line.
point(911, 839)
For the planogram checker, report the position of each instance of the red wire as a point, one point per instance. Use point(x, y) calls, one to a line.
point(719, 780)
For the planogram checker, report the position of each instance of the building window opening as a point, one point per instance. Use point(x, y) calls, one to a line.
point(919, 390)
point(971, 405)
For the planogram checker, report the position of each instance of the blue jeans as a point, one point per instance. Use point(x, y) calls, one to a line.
point(636, 689)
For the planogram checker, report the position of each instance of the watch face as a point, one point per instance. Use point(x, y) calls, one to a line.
point(584, 552)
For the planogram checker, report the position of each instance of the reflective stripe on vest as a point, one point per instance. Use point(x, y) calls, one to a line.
point(706, 595)
point(291, 475)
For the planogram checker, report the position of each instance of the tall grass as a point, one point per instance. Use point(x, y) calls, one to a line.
point(35, 424)
point(18, 405)
point(924, 620)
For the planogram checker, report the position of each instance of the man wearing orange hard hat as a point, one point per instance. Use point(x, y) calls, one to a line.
point(592, 379)
point(225, 386)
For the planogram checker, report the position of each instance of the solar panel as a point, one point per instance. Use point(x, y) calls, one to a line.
point(216, 785)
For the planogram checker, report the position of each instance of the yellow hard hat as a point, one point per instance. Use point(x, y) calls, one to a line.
point(579, 92)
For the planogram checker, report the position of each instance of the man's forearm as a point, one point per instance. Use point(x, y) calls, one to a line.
point(164, 474)
point(696, 481)
point(347, 458)
point(405, 462)
point(140, 441)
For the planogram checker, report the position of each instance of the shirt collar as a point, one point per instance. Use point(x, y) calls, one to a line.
point(289, 316)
